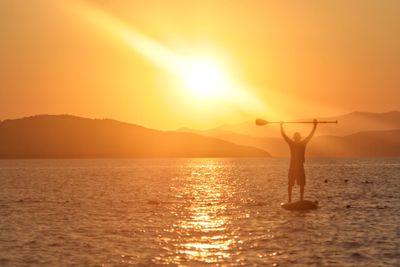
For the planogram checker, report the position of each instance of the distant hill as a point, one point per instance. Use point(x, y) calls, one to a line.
point(348, 124)
point(64, 136)
point(358, 134)
point(362, 144)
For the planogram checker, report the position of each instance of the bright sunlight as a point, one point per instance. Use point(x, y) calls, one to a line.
point(204, 77)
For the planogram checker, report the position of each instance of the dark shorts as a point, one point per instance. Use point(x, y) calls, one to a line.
point(298, 175)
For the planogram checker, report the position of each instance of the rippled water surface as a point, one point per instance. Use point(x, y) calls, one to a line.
point(196, 212)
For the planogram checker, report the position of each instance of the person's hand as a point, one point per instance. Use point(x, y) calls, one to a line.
point(315, 122)
point(281, 123)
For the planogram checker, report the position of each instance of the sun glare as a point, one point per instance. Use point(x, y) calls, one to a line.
point(204, 77)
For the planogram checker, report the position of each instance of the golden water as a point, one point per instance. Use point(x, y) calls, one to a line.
point(196, 212)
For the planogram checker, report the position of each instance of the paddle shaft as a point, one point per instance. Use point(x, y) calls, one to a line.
point(261, 122)
point(302, 122)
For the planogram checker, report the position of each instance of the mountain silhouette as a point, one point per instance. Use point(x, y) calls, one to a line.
point(65, 136)
point(358, 134)
point(362, 144)
point(350, 123)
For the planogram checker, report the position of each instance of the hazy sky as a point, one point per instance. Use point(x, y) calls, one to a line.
point(297, 58)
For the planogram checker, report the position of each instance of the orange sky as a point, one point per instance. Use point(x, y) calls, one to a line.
point(296, 58)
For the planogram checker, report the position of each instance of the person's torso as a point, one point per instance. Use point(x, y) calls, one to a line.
point(297, 153)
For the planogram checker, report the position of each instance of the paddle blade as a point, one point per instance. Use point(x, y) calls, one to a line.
point(261, 122)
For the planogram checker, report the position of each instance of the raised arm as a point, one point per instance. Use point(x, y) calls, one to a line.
point(287, 139)
point(308, 138)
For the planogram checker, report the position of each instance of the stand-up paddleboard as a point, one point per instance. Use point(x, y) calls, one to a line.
point(300, 205)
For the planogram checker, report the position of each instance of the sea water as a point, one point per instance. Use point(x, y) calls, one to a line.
point(197, 212)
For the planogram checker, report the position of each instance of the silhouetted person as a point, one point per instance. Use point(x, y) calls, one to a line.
point(297, 157)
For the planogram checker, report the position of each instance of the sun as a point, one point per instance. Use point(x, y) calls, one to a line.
point(204, 77)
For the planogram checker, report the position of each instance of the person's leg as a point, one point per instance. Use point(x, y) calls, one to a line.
point(290, 193)
point(301, 192)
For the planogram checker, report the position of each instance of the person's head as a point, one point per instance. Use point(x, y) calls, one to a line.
point(297, 137)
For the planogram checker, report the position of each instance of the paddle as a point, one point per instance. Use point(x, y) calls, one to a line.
point(262, 122)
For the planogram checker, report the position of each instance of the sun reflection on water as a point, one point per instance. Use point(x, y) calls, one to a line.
point(201, 233)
